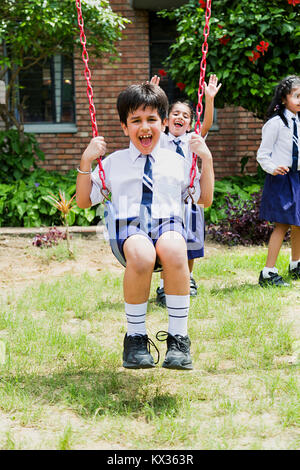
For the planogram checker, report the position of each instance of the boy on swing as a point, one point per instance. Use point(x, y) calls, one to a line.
point(148, 186)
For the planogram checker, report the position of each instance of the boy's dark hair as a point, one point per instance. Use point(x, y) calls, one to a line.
point(145, 94)
point(283, 89)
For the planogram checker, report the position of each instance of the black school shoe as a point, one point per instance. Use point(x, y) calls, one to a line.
point(178, 351)
point(136, 353)
point(295, 273)
point(273, 280)
point(161, 296)
point(193, 287)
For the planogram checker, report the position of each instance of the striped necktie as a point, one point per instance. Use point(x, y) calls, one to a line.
point(147, 196)
point(178, 147)
point(295, 147)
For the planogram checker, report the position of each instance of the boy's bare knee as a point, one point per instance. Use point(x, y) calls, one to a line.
point(140, 254)
point(172, 251)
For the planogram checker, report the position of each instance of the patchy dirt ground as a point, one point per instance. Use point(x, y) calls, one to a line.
point(22, 263)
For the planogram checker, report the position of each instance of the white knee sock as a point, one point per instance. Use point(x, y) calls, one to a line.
point(178, 309)
point(161, 283)
point(136, 317)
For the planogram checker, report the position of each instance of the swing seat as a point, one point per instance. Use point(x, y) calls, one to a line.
point(194, 220)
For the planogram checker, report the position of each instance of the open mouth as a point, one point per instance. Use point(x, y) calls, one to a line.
point(178, 124)
point(146, 140)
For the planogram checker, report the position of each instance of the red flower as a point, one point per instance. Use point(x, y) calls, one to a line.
point(181, 86)
point(224, 40)
point(220, 26)
point(202, 3)
point(263, 46)
point(255, 56)
point(293, 2)
point(162, 73)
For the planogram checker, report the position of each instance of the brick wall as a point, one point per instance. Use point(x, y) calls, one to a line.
point(63, 151)
point(238, 136)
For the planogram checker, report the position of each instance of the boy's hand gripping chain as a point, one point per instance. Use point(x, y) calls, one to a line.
point(199, 108)
point(87, 74)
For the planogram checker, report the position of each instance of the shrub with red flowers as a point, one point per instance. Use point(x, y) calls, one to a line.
point(181, 86)
point(252, 45)
point(162, 73)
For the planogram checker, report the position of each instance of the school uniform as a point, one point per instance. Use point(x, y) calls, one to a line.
point(125, 177)
point(196, 229)
point(281, 194)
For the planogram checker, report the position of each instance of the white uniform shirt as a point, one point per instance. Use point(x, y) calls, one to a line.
point(167, 141)
point(123, 177)
point(276, 148)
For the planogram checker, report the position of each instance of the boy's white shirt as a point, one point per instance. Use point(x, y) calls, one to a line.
point(123, 177)
point(277, 143)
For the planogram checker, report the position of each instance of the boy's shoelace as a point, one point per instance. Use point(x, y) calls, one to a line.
point(151, 343)
point(177, 342)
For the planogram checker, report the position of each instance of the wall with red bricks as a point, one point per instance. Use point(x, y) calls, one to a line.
point(63, 151)
point(238, 134)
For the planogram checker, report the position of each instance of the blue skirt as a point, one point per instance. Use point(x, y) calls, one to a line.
point(195, 229)
point(281, 199)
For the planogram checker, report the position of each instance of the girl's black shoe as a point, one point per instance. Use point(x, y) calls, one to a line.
point(161, 296)
point(193, 287)
point(273, 280)
point(295, 273)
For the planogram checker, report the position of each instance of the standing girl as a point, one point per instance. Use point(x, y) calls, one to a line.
point(278, 156)
point(177, 138)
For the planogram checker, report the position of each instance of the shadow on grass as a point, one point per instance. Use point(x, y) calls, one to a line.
point(89, 393)
point(245, 287)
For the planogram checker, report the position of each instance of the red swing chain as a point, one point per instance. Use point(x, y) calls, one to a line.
point(90, 94)
point(87, 74)
point(199, 108)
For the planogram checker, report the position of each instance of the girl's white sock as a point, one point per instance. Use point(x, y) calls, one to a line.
point(294, 264)
point(161, 283)
point(178, 309)
point(136, 318)
point(266, 271)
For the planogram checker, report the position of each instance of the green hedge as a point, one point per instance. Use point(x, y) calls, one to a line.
point(239, 189)
point(25, 203)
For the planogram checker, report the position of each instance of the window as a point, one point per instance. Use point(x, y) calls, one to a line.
point(47, 93)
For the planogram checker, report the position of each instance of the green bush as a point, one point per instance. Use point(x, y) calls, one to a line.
point(235, 189)
point(25, 203)
point(18, 155)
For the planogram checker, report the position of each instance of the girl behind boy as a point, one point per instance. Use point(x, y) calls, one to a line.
point(278, 155)
point(177, 138)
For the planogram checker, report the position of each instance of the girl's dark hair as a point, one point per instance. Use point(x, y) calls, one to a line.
point(283, 89)
point(134, 96)
point(188, 104)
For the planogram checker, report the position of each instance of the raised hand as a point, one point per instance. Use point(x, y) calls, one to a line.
point(212, 88)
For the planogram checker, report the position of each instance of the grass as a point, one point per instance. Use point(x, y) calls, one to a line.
point(62, 385)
